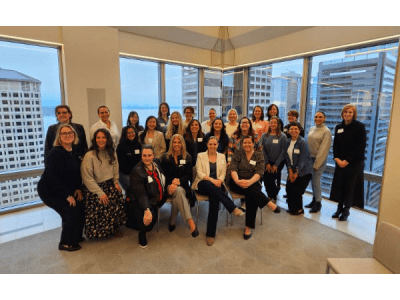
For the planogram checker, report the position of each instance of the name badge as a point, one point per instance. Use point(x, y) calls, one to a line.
point(200, 140)
point(150, 180)
point(340, 130)
point(150, 140)
point(182, 161)
point(258, 126)
point(137, 151)
point(275, 141)
point(285, 130)
point(253, 162)
point(162, 125)
point(296, 151)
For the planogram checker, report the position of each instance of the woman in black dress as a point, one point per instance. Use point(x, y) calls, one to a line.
point(218, 130)
point(129, 153)
point(348, 153)
point(133, 120)
point(60, 186)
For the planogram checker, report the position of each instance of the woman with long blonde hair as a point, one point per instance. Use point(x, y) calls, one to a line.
point(174, 126)
point(178, 170)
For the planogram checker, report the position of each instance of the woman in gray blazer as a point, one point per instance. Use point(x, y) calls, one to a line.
point(150, 136)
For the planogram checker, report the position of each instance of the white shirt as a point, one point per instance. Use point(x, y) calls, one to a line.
point(113, 131)
point(290, 150)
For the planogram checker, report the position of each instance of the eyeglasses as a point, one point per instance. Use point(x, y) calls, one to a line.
point(62, 112)
point(67, 133)
point(128, 133)
point(245, 122)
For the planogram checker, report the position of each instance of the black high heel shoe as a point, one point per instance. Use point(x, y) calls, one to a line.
point(195, 232)
point(171, 227)
point(68, 248)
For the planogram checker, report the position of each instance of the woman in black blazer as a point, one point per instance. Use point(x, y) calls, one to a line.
point(64, 116)
point(60, 187)
point(178, 170)
point(195, 140)
point(348, 153)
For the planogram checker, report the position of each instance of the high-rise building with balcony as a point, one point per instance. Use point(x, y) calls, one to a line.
point(22, 136)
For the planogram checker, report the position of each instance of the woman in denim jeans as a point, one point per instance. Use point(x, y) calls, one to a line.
point(319, 142)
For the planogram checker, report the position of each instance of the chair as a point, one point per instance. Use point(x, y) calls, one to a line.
point(385, 258)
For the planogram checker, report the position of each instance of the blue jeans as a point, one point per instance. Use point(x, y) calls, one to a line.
point(316, 180)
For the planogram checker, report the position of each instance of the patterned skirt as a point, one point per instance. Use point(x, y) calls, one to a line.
point(103, 220)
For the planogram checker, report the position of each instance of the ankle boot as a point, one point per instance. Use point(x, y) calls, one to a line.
point(345, 214)
point(338, 211)
point(311, 204)
point(316, 207)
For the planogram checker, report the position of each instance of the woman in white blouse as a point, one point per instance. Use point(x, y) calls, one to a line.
point(232, 124)
point(206, 125)
point(105, 122)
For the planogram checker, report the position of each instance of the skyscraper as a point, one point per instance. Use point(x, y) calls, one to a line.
point(365, 80)
point(22, 136)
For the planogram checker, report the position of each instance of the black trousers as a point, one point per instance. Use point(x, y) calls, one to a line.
point(137, 213)
point(73, 218)
point(216, 195)
point(271, 181)
point(295, 191)
point(255, 198)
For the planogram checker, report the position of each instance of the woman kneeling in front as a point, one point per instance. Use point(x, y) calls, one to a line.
point(146, 192)
point(247, 168)
point(210, 176)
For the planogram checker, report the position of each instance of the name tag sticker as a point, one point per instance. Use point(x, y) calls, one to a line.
point(200, 140)
point(137, 151)
point(150, 180)
point(340, 130)
point(253, 162)
point(285, 130)
point(162, 125)
point(296, 151)
point(275, 141)
point(182, 161)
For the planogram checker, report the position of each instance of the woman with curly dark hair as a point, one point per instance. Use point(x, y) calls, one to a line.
point(105, 211)
point(218, 130)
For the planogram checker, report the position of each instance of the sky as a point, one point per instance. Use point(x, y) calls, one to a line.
point(35, 61)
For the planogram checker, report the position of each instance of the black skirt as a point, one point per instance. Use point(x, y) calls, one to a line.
point(103, 220)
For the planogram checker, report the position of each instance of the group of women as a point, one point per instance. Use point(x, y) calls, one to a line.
point(148, 165)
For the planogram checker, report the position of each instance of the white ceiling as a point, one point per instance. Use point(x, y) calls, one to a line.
point(206, 37)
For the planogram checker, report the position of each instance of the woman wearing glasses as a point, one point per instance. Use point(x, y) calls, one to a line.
point(60, 187)
point(64, 116)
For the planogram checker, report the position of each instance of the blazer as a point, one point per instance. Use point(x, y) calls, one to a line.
point(302, 162)
point(81, 148)
point(158, 143)
point(203, 167)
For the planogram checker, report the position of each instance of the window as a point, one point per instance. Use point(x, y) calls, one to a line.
point(283, 80)
point(26, 67)
point(181, 88)
point(232, 93)
point(363, 77)
point(139, 88)
point(212, 93)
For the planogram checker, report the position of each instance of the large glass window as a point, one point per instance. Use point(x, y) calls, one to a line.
point(139, 88)
point(212, 93)
point(277, 83)
point(30, 89)
point(232, 93)
point(365, 78)
point(181, 88)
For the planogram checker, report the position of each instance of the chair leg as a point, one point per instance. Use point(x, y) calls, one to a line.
point(328, 267)
point(262, 215)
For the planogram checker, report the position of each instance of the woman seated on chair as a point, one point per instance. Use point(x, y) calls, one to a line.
point(247, 168)
point(146, 193)
point(210, 176)
point(178, 170)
